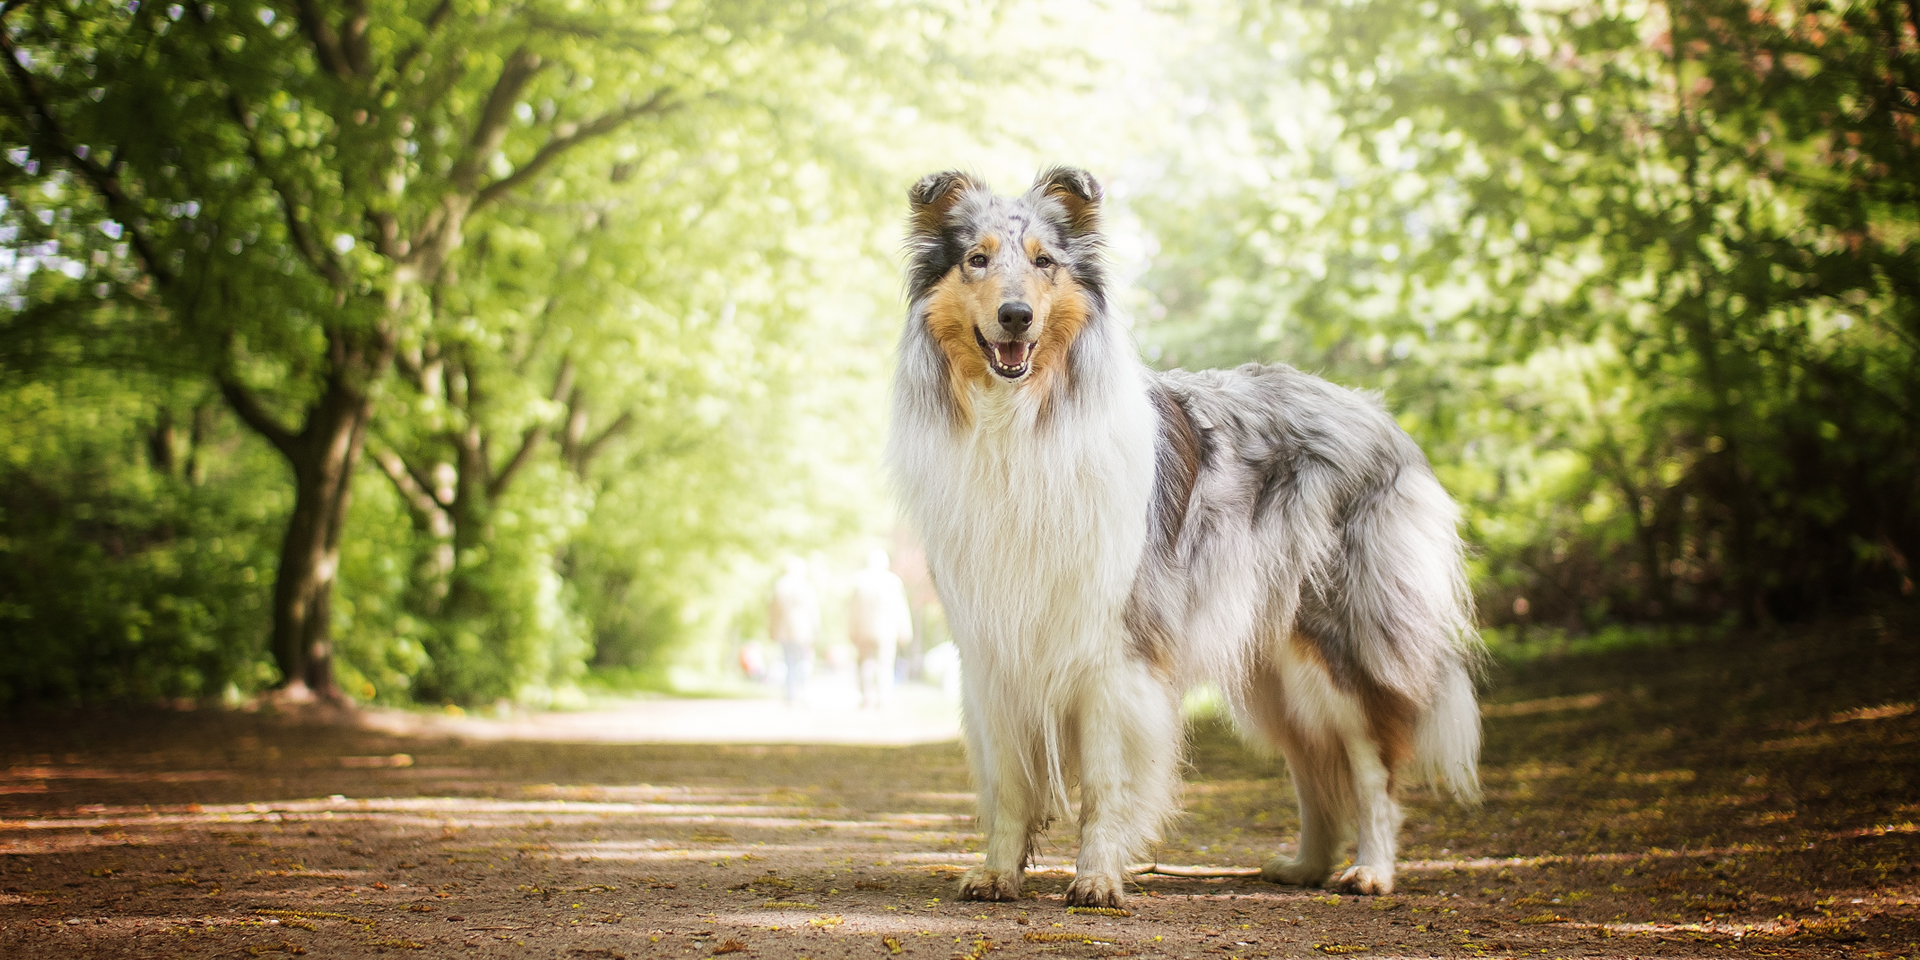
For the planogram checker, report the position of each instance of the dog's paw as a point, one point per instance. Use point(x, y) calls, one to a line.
point(1366, 881)
point(1096, 890)
point(981, 883)
point(1294, 872)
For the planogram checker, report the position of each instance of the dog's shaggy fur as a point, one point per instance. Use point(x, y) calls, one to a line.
point(1104, 537)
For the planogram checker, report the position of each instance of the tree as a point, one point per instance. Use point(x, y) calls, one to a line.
point(290, 183)
point(1641, 277)
point(641, 392)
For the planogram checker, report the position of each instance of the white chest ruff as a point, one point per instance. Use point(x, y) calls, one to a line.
point(1035, 528)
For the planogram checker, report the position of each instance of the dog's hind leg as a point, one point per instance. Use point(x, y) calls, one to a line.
point(1378, 817)
point(1321, 783)
point(1374, 756)
point(1128, 732)
point(1291, 701)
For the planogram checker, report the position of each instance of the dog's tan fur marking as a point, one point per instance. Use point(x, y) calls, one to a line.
point(957, 307)
point(1390, 724)
point(934, 197)
point(1176, 467)
point(1308, 648)
point(1390, 716)
point(950, 318)
point(1063, 305)
point(1148, 640)
point(1083, 211)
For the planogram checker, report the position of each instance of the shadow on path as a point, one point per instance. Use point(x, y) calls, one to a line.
point(1746, 797)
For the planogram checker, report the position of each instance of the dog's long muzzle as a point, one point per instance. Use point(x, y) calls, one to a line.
point(1011, 359)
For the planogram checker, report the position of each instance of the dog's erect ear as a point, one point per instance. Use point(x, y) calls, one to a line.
point(933, 196)
point(1077, 192)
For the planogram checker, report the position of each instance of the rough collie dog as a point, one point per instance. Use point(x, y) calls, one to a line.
point(1104, 537)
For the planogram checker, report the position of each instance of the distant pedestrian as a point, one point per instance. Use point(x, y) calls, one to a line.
point(879, 619)
point(793, 622)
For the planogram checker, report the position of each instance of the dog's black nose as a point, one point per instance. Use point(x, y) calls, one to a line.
point(1015, 317)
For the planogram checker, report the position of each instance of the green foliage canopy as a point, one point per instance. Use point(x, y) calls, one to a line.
point(1643, 275)
point(476, 238)
point(504, 338)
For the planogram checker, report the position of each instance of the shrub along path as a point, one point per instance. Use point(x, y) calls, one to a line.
point(1754, 796)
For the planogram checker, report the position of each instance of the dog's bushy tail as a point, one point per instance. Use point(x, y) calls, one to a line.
point(1411, 611)
point(1446, 743)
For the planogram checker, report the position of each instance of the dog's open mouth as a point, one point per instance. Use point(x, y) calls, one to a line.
point(1009, 360)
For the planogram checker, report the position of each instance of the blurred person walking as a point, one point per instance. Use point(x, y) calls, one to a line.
point(879, 619)
point(793, 622)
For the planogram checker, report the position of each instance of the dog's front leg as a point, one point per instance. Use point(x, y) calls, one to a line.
point(1012, 807)
point(1129, 735)
point(1011, 812)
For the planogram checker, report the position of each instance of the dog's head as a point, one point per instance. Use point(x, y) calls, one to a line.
point(1007, 282)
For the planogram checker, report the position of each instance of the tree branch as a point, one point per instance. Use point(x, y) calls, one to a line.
point(54, 141)
point(315, 253)
point(418, 496)
point(414, 366)
point(432, 26)
point(532, 436)
point(386, 234)
point(586, 452)
point(491, 130)
point(562, 380)
point(326, 43)
point(529, 348)
point(497, 484)
point(354, 47)
point(559, 145)
point(250, 411)
point(427, 483)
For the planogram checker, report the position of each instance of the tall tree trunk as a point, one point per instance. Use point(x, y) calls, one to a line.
point(323, 456)
point(310, 553)
point(472, 507)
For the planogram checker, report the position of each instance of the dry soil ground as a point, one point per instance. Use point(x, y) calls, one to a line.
point(1752, 796)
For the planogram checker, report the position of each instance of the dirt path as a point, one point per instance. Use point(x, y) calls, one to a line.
point(917, 715)
point(1740, 798)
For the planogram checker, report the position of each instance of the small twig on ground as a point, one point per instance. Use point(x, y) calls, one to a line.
point(1169, 870)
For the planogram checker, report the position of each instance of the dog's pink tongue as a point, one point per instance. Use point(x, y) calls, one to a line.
point(1011, 355)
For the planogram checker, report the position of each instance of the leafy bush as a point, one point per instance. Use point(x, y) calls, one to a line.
point(138, 583)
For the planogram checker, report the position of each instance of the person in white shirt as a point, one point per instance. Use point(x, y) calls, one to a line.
point(879, 619)
point(793, 622)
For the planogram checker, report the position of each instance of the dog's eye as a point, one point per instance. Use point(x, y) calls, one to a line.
point(978, 261)
point(1043, 261)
